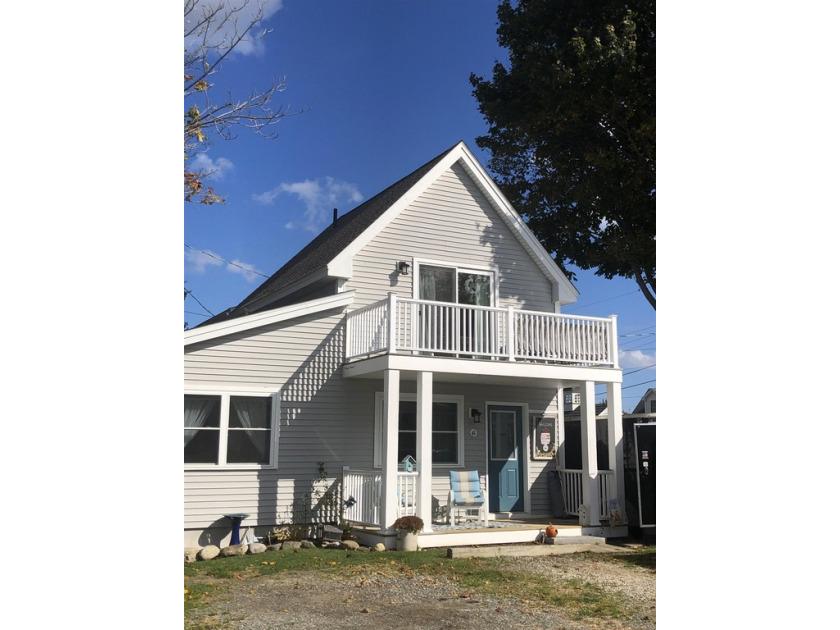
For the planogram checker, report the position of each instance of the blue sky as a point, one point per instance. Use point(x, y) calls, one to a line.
point(385, 86)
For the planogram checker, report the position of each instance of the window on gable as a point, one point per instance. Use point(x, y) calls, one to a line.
point(223, 429)
point(447, 445)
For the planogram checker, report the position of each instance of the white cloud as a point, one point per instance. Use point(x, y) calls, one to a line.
point(240, 13)
point(634, 359)
point(213, 169)
point(319, 198)
point(197, 262)
point(246, 270)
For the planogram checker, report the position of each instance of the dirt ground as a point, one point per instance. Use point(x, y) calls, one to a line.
point(379, 601)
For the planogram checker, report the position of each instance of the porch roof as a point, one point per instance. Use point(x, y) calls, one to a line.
point(486, 372)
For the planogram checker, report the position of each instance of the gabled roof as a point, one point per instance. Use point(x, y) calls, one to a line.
point(330, 254)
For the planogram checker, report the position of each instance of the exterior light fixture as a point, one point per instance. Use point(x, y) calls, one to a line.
point(403, 267)
point(475, 414)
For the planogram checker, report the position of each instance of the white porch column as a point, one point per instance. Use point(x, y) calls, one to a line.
point(390, 444)
point(615, 439)
point(560, 453)
point(424, 449)
point(588, 440)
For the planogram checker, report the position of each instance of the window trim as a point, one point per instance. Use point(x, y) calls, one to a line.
point(224, 421)
point(379, 414)
point(492, 271)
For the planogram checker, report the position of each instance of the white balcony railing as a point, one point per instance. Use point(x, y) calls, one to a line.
point(441, 328)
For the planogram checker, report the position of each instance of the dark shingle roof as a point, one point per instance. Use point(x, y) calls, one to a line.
point(326, 246)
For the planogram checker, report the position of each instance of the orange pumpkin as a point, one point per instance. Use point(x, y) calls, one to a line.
point(550, 531)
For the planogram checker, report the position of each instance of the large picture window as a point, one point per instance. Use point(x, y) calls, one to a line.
point(227, 430)
point(447, 445)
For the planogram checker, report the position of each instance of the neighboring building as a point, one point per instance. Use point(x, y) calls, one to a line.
point(426, 322)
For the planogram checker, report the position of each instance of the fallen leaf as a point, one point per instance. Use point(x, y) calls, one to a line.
point(365, 610)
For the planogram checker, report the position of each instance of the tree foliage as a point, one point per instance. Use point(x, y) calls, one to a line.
point(213, 30)
point(572, 130)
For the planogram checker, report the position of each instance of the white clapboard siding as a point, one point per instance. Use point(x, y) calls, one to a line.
point(450, 222)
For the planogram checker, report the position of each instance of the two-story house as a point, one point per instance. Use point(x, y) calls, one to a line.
point(426, 322)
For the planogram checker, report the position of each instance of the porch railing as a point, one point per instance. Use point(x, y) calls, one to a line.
point(571, 482)
point(365, 489)
point(420, 326)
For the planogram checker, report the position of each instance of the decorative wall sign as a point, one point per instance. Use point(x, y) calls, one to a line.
point(543, 437)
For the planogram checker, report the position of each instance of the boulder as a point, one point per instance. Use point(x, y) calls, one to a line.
point(275, 547)
point(208, 553)
point(291, 544)
point(191, 553)
point(380, 547)
point(352, 545)
point(307, 544)
point(256, 548)
point(234, 550)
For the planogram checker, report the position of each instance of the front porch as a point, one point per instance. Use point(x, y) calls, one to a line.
point(419, 348)
point(361, 490)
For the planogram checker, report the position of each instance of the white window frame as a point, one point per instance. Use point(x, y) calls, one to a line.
point(380, 413)
point(492, 271)
point(224, 420)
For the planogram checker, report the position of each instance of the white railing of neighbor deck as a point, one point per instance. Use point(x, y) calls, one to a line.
point(441, 328)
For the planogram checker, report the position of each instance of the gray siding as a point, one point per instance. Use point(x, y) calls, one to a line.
point(450, 222)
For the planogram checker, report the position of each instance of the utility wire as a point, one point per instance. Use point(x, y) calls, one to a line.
point(647, 367)
point(188, 292)
point(200, 251)
point(574, 308)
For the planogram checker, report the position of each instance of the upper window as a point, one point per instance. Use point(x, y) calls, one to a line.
point(457, 285)
point(224, 429)
point(447, 445)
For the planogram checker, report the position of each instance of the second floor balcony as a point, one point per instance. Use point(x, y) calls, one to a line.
point(399, 325)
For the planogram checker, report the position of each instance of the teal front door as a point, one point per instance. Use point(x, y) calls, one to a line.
point(504, 456)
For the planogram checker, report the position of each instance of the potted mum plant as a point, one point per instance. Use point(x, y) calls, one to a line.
point(407, 528)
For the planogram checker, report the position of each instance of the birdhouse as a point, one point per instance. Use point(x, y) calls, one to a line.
point(408, 464)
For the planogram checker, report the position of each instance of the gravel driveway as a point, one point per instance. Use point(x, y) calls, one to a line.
point(310, 600)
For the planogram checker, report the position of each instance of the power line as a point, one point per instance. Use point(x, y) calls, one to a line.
point(637, 384)
point(200, 251)
point(188, 292)
point(573, 308)
point(647, 367)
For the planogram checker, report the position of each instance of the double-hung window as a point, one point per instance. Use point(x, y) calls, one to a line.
point(228, 430)
point(447, 429)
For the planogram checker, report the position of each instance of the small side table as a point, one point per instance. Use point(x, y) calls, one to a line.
point(236, 521)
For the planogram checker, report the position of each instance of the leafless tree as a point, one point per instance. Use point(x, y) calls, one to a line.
point(213, 30)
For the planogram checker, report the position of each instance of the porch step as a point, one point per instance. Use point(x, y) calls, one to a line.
point(575, 540)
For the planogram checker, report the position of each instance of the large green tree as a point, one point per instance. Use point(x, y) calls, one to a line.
point(572, 130)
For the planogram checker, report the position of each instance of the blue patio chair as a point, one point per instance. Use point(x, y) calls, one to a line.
point(466, 496)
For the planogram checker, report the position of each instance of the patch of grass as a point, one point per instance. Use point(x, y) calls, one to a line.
point(487, 576)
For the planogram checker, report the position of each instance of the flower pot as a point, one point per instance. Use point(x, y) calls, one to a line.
point(406, 541)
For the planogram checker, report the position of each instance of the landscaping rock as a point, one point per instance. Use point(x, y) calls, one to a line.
point(380, 547)
point(208, 553)
point(352, 545)
point(307, 544)
point(275, 547)
point(291, 544)
point(256, 548)
point(234, 550)
point(191, 553)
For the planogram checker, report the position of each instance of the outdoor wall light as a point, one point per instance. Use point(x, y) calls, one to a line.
point(475, 414)
point(403, 267)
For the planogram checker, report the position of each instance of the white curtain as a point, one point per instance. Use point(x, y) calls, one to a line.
point(250, 411)
point(196, 412)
